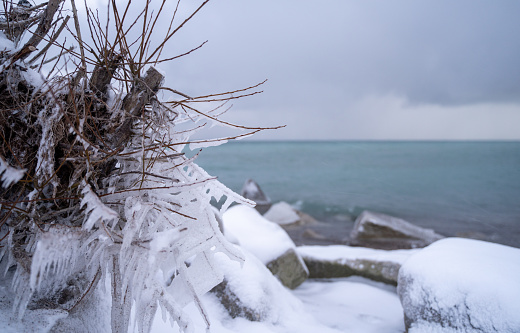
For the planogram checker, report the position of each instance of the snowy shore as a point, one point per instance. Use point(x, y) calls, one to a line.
point(452, 286)
point(356, 304)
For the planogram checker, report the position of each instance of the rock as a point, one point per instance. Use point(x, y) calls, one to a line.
point(336, 261)
point(268, 242)
point(252, 191)
point(282, 213)
point(461, 285)
point(286, 216)
point(289, 268)
point(381, 231)
point(232, 303)
point(309, 233)
point(305, 219)
point(251, 291)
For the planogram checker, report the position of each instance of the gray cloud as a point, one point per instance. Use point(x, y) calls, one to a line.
point(325, 59)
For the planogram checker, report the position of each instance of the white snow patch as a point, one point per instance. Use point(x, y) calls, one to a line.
point(282, 213)
point(265, 239)
point(33, 77)
point(5, 44)
point(353, 305)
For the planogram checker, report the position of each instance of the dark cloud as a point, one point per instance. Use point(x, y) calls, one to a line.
point(323, 59)
point(447, 52)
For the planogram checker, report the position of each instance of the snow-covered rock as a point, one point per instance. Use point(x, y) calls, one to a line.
point(268, 242)
point(387, 232)
point(282, 213)
point(252, 292)
point(251, 190)
point(336, 261)
point(459, 285)
point(287, 216)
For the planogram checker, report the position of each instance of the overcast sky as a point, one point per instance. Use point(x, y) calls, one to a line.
point(365, 69)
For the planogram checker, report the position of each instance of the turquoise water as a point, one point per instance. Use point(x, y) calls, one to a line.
point(452, 187)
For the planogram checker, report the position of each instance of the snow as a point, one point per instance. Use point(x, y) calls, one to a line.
point(37, 321)
point(5, 44)
point(282, 213)
point(353, 305)
point(465, 284)
point(265, 239)
point(328, 306)
point(343, 252)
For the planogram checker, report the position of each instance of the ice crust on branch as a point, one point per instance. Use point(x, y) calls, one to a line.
point(96, 210)
point(107, 192)
point(9, 174)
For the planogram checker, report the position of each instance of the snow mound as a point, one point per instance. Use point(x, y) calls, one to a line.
point(282, 213)
point(461, 285)
point(265, 239)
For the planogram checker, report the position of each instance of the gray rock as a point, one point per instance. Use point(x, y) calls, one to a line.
point(251, 291)
point(337, 261)
point(233, 304)
point(252, 191)
point(289, 268)
point(381, 231)
point(380, 271)
point(312, 234)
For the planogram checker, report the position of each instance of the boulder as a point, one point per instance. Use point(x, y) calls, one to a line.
point(313, 234)
point(286, 216)
point(252, 191)
point(461, 285)
point(336, 261)
point(250, 291)
point(282, 213)
point(268, 242)
point(381, 231)
point(289, 268)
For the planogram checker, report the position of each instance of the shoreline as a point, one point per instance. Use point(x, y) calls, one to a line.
point(336, 229)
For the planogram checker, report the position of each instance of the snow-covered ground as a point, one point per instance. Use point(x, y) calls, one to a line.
point(333, 305)
point(352, 305)
point(482, 276)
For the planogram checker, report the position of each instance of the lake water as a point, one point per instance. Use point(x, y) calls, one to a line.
point(452, 187)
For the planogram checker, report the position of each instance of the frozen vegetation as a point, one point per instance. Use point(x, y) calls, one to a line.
point(106, 224)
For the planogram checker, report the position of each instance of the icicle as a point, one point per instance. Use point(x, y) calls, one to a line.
point(96, 210)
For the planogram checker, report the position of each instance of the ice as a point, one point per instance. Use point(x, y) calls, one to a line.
point(96, 210)
point(9, 174)
point(207, 143)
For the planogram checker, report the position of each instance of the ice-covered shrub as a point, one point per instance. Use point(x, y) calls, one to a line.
point(95, 181)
